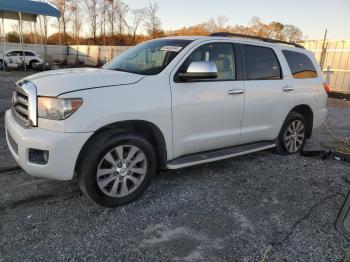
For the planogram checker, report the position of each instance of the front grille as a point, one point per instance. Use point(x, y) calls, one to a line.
point(20, 106)
point(24, 103)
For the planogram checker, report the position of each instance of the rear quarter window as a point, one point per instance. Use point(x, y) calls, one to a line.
point(300, 65)
point(29, 54)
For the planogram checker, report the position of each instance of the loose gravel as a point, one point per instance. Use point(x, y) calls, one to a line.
point(237, 209)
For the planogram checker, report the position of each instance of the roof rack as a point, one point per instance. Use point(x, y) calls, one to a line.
point(269, 40)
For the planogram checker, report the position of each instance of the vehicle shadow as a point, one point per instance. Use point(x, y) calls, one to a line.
point(21, 189)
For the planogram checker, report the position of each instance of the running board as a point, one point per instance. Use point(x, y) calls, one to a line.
point(220, 154)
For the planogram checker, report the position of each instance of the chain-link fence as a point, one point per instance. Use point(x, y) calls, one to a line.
point(72, 54)
point(333, 56)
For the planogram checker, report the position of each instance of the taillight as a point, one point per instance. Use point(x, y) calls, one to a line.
point(326, 87)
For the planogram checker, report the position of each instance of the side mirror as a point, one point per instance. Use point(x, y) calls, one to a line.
point(200, 71)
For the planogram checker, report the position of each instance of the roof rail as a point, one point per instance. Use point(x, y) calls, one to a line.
point(269, 40)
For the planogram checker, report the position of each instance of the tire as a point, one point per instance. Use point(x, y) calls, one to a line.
point(292, 137)
point(105, 179)
point(32, 64)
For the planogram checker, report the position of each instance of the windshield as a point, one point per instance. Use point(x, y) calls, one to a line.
point(149, 58)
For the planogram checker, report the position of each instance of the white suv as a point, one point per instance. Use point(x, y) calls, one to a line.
point(10, 57)
point(167, 103)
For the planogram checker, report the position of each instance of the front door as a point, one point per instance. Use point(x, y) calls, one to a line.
point(15, 57)
point(207, 114)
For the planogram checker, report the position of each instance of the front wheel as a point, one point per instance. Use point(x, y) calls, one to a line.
point(292, 137)
point(117, 168)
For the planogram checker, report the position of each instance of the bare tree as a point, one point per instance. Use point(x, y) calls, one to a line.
point(63, 6)
point(122, 9)
point(275, 30)
point(292, 33)
point(153, 24)
point(76, 19)
point(257, 28)
point(112, 10)
point(103, 8)
point(92, 11)
point(136, 19)
point(211, 26)
point(221, 21)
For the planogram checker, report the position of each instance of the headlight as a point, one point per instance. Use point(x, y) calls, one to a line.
point(57, 108)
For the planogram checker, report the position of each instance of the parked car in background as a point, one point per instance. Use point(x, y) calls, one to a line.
point(16, 58)
point(167, 103)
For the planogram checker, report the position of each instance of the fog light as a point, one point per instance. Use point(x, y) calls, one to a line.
point(36, 156)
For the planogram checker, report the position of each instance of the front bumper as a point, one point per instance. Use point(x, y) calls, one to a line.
point(63, 149)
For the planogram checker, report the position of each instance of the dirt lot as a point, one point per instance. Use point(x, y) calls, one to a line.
point(225, 211)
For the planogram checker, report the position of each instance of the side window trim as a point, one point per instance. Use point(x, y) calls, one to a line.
point(245, 64)
point(237, 60)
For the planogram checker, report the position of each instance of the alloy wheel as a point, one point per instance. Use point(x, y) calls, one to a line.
point(294, 136)
point(121, 171)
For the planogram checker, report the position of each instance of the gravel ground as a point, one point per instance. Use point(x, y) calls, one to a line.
point(231, 210)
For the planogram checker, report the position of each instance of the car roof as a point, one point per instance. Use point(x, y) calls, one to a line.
point(241, 40)
point(19, 50)
point(192, 38)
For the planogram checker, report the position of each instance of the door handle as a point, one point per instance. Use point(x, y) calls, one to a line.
point(235, 92)
point(287, 88)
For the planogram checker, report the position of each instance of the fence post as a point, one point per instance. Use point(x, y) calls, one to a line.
point(77, 55)
point(3, 36)
point(328, 74)
point(67, 53)
point(98, 56)
point(324, 50)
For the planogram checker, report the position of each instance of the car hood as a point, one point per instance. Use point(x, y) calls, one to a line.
point(57, 82)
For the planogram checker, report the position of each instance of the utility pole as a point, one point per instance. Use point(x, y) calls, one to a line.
point(324, 50)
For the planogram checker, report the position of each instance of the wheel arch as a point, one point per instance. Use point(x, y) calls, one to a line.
point(307, 113)
point(149, 130)
point(34, 60)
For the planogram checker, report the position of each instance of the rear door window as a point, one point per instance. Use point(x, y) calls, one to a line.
point(300, 65)
point(261, 63)
point(29, 53)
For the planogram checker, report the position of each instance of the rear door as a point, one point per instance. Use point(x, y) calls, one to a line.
point(269, 93)
point(308, 82)
point(28, 56)
point(207, 114)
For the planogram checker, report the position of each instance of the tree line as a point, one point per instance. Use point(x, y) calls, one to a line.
point(256, 27)
point(113, 22)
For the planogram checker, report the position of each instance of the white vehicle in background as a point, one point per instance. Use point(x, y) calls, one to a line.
point(15, 58)
point(166, 103)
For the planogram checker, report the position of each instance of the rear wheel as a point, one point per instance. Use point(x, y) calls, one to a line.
point(117, 168)
point(292, 137)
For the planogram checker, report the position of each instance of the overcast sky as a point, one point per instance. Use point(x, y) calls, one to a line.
point(311, 16)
